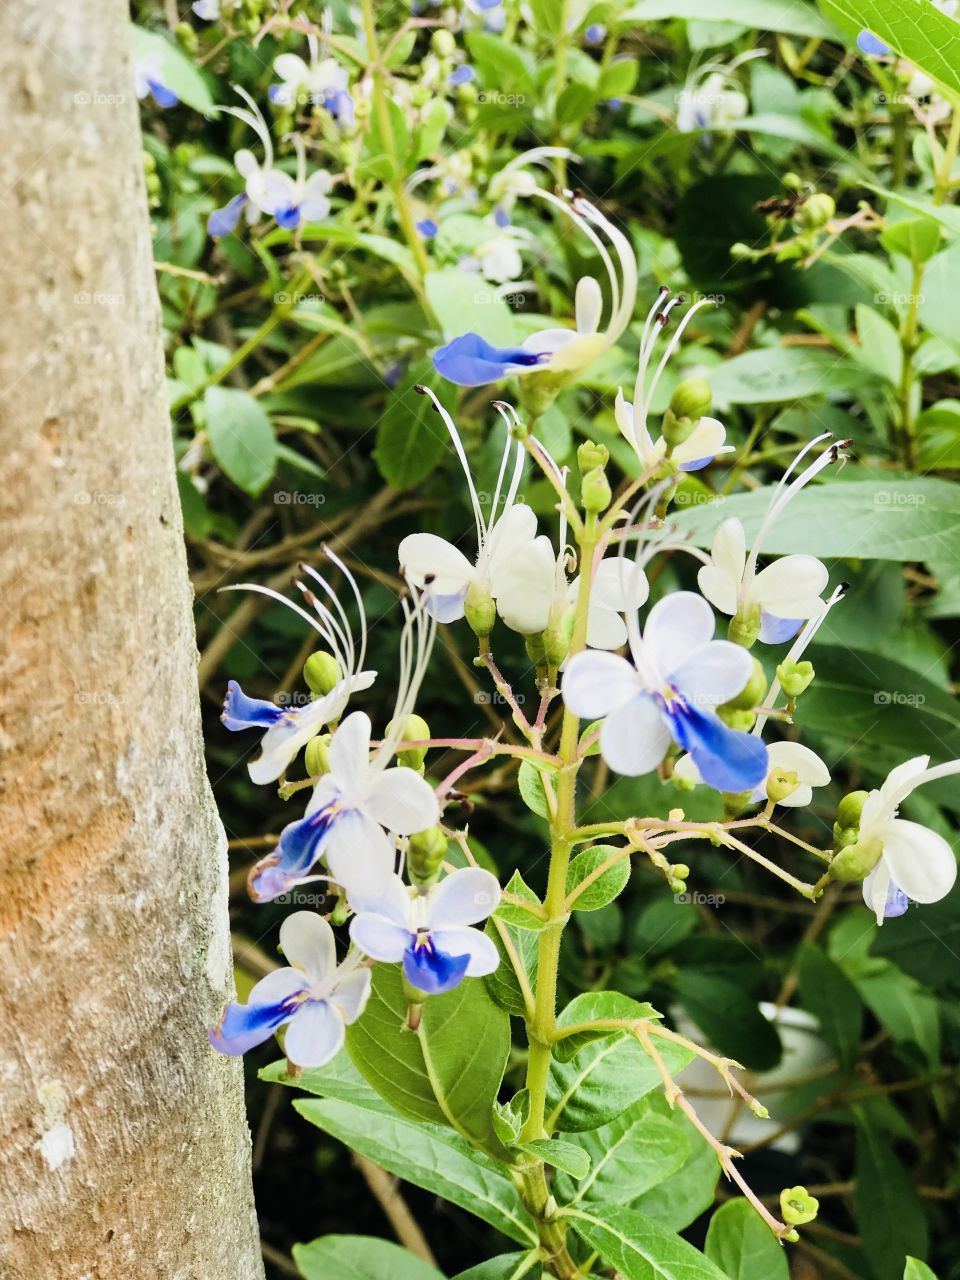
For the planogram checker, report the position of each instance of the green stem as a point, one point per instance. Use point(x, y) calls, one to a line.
point(909, 341)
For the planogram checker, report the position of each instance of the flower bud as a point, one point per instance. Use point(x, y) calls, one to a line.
point(591, 455)
point(420, 95)
point(692, 399)
point(556, 640)
point(856, 860)
point(850, 808)
point(595, 492)
point(734, 804)
point(186, 37)
point(751, 695)
point(479, 611)
point(443, 43)
point(795, 677)
point(316, 758)
point(535, 651)
point(817, 211)
point(680, 870)
point(744, 628)
point(425, 854)
point(735, 718)
point(676, 430)
point(792, 181)
point(798, 1206)
point(322, 672)
point(781, 783)
point(413, 729)
point(758, 1109)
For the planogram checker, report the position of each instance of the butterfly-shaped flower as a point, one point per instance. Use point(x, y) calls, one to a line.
point(790, 758)
point(428, 930)
point(712, 97)
point(668, 693)
point(321, 81)
point(315, 998)
point(148, 79)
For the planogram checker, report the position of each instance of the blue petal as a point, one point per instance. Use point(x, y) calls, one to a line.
point(432, 971)
point(277, 94)
point(222, 221)
point(501, 217)
point(487, 4)
point(340, 105)
point(726, 758)
point(462, 75)
point(871, 45)
point(427, 228)
point(245, 1025)
point(614, 103)
point(774, 630)
point(288, 218)
point(698, 464)
point(241, 712)
point(897, 901)
point(471, 361)
point(445, 608)
point(596, 33)
point(162, 96)
point(299, 847)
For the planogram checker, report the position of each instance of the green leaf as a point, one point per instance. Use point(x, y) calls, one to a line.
point(567, 1156)
point(428, 1156)
point(916, 29)
point(915, 238)
point(241, 436)
point(464, 302)
point(879, 348)
point(499, 63)
point(197, 520)
point(619, 78)
point(917, 1270)
point(522, 934)
point(532, 791)
point(338, 1079)
point(899, 1003)
point(517, 915)
point(927, 943)
point(833, 1000)
point(592, 1006)
point(180, 73)
point(792, 17)
point(605, 887)
point(889, 1213)
point(730, 1019)
point(450, 1070)
point(631, 1154)
point(741, 1245)
point(778, 375)
point(411, 436)
point(359, 1258)
point(909, 519)
point(682, 1196)
point(639, 1248)
point(507, 1267)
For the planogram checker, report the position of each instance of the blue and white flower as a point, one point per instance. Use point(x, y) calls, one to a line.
point(771, 602)
point(446, 576)
point(428, 930)
point(707, 440)
point(322, 81)
point(288, 729)
point(148, 79)
point(668, 693)
point(315, 998)
point(915, 864)
point(712, 96)
point(208, 10)
point(782, 757)
point(471, 361)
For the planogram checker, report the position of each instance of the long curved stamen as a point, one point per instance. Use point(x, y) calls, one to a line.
point(309, 619)
point(416, 645)
point(361, 612)
point(503, 409)
point(785, 494)
point(670, 349)
point(796, 652)
point(584, 227)
point(627, 300)
point(461, 454)
point(539, 156)
point(301, 150)
point(257, 123)
point(331, 632)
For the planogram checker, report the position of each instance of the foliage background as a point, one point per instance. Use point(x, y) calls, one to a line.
point(292, 365)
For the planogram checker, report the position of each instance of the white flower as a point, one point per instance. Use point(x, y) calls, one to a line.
point(708, 437)
point(149, 78)
point(442, 570)
point(916, 864)
point(678, 675)
point(318, 81)
point(782, 756)
point(772, 602)
point(515, 181)
point(315, 998)
point(711, 97)
point(428, 930)
point(208, 10)
point(500, 258)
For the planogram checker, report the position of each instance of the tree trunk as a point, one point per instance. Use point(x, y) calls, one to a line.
point(124, 1150)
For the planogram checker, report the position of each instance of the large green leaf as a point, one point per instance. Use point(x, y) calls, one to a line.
point(916, 29)
point(833, 1000)
point(915, 518)
point(742, 1246)
point(428, 1156)
point(889, 1213)
point(449, 1071)
point(508, 1266)
point(411, 436)
point(779, 375)
point(593, 1006)
point(631, 1154)
point(241, 437)
point(926, 944)
point(463, 301)
point(640, 1248)
point(792, 17)
point(917, 1270)
point(359, 1258)
point(682, 1196)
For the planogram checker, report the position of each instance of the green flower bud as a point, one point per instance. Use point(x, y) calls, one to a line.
point(795, 677)
point(798, 1206)
point(535, 650)
point(149, 162)
point(479, 611)
point(680, 870)
point(856, 860)
point(316, 758)
point(781, 783)
point(742, 251)
point(414, 729)
point(792, 181)
point(734, 803)
point(850, 808)
point(675, 430)
point(443, 44)
point(817, 211)
point(843, 837)
point(322, 672)
point(425, 854)
point(591, 455)
point(420, 95)
point(186, 37)
point(595, 492)
point(682, 783)
point(341, 910)
point(744, 628)
point(734, 718)
point(751, 695)
point(758, 1109)
point(362, 108)
point(556, 640)
point(692, 399)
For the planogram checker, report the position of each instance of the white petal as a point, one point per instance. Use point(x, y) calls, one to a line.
point(789, 587)
point(463, 897)
point(314, 1035)
point(594, 684)
point(358, 854)
point(634, 739)
point(713, 674)
point(705, 441)
point(275, 190)
point(246, 163)
point(719, 588)
point(686, 770)
point(308, 944)
point(729, 549)
point(403, 802)
point(547, 341)
point(898, 778)
point(283, 740)
point(677, 626)
point(326, 792)
point(619, 584)
point(605, 628)
point(588, 305)
point(379, 938)
point(525, 587)
point(424, 555)
point(511, 535)
point(292, 69)
point(798, 799)
point(349, 753)
point(277, 986)
point(350, 994)
point(623, 412)
point(484, 957)
point(875, 889)
point(387, 897)
point(920, 861)
point(798, 759)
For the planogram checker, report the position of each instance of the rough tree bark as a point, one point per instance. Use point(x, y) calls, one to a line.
point(124, 1150)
